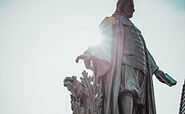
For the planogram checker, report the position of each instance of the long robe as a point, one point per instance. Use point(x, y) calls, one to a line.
point(108, 65)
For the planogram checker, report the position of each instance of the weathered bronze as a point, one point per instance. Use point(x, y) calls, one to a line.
point(123, 66)
point(182, 103)
point(86, 97)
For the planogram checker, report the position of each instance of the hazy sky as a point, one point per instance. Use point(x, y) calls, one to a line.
point(40, 40)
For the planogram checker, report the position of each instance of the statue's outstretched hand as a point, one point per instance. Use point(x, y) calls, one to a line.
point(85, 57)
point(158, 74)
point(87, 60)
point(165, 78)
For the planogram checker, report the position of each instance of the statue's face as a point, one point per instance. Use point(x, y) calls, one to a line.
point(128, 9)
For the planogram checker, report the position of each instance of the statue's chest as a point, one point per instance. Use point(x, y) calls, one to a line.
point(134, 49)
point(133, 40)
point(132, 34)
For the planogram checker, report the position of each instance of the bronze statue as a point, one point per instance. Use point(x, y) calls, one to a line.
point(123, 65)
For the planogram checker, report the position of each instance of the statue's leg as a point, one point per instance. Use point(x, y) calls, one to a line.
point(139, 109)
point(126, 103)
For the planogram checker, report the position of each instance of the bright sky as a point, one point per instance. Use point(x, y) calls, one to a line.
point(40, 40)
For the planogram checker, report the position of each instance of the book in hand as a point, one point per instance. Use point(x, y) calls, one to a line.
point(165, 78)
point(169, 80)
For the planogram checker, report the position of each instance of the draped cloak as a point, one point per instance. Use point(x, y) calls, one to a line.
point(108, 64)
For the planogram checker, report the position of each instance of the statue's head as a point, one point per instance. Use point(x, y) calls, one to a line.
point(125, 8)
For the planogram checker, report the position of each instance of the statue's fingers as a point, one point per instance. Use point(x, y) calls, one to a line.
point(80, 57)
point(77, 59)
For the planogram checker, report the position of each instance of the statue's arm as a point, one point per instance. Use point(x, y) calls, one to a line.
point(101, 52)
point(152, 62)
point(160, 75)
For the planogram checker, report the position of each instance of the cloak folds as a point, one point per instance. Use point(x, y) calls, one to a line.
point(108, 64)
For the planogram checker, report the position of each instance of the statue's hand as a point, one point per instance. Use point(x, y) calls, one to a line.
point(83, 57)
point(165, 78)
point(88, 60)
point(159, 73)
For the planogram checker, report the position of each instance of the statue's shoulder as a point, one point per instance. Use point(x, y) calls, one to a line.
point(107, 22)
